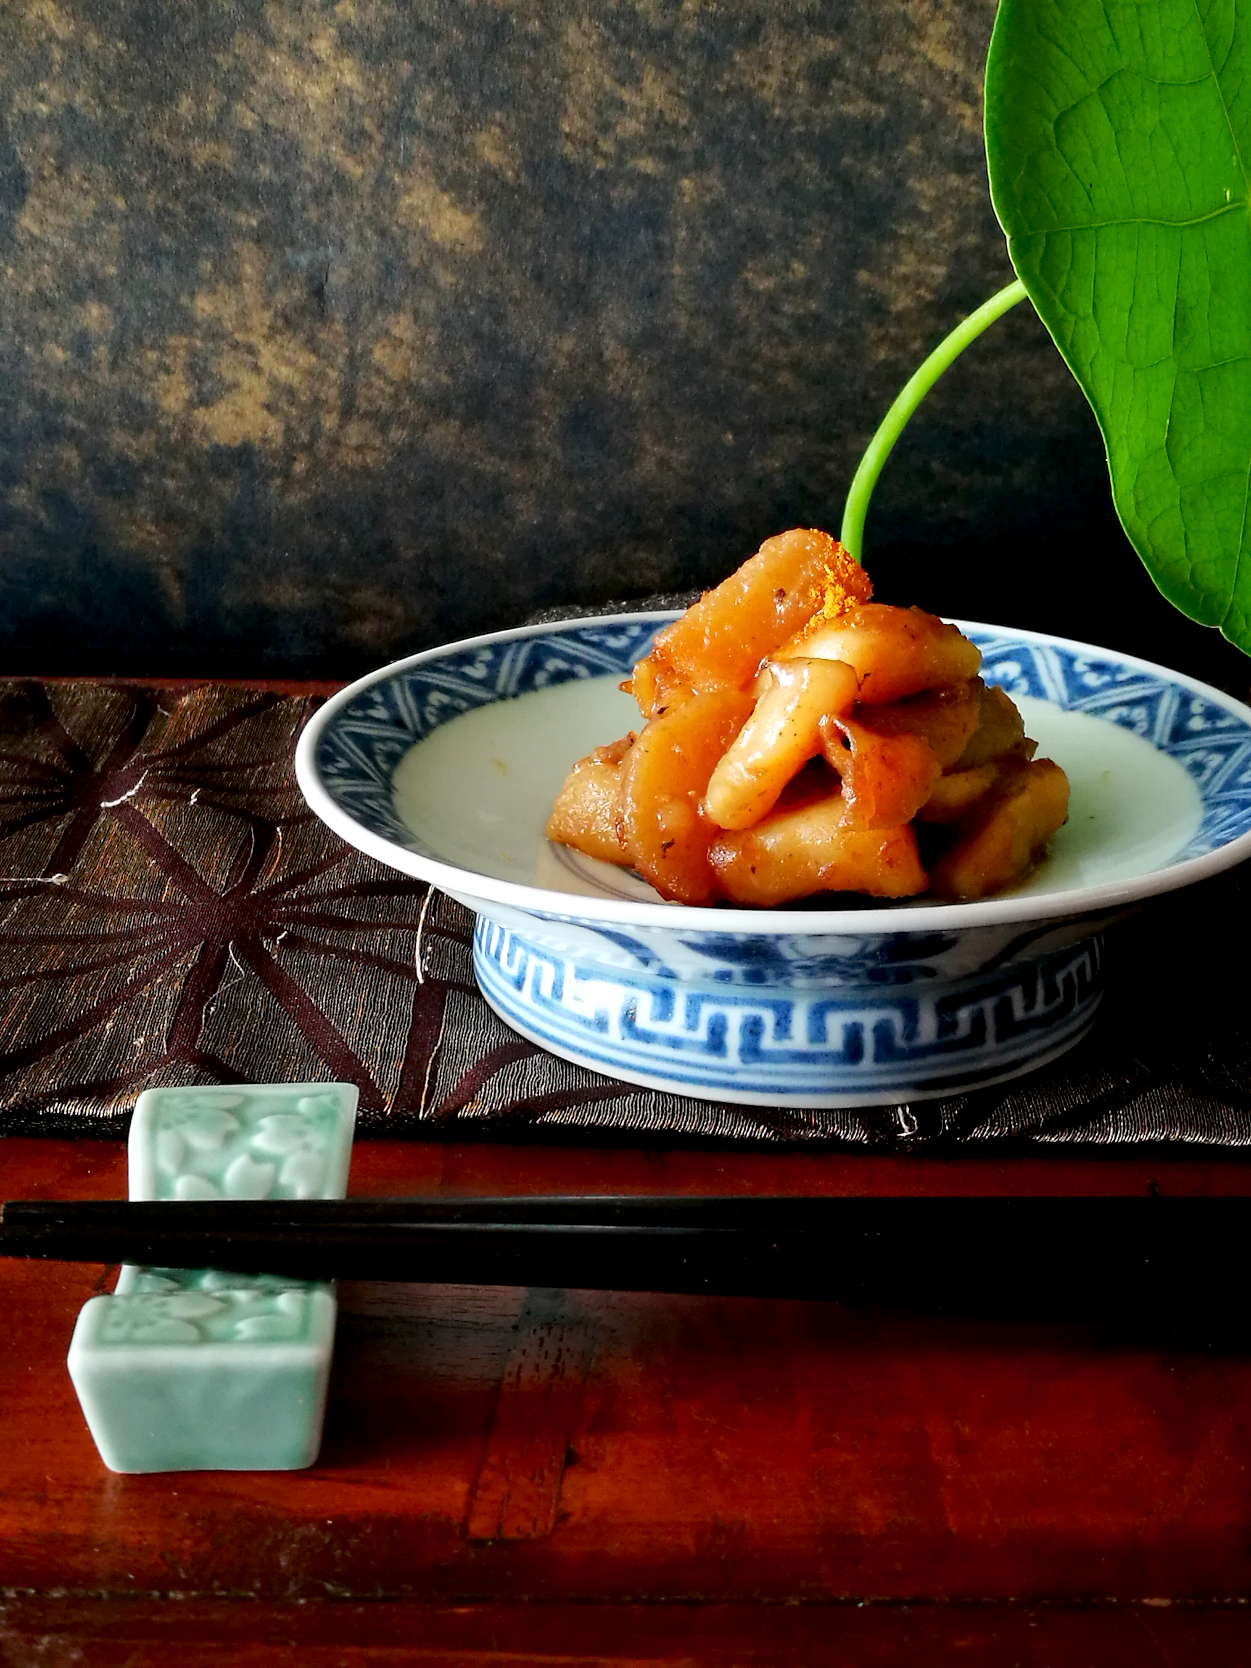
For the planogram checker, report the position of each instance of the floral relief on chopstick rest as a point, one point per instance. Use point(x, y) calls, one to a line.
point(202, 1317)
point(258, 1141)
point(135, 1279)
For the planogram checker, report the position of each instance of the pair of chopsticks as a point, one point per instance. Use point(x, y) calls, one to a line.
point(1069, 1253)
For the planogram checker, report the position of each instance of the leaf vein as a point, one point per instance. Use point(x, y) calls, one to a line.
point(1220, 93)
point(1146, 220)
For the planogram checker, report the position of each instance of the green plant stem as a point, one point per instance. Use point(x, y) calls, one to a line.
point(914, 391)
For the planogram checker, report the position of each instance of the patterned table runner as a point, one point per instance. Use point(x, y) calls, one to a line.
point(171, 912)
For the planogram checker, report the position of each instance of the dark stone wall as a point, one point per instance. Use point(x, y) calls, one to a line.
point(332, 330)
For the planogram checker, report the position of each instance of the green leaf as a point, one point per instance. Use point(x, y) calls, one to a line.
point(1118, 136)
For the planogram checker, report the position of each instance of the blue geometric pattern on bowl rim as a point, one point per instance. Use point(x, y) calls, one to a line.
point(1210, 742)
point(363, 742)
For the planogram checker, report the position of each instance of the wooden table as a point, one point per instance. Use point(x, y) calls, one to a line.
point(516, 1476)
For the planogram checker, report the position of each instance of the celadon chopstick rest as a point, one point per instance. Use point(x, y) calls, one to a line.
point(259, 1141)
point(196, 1369)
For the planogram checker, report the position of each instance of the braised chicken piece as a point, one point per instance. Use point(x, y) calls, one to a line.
point(587, 812)
point(798, 737)
point(724, 639)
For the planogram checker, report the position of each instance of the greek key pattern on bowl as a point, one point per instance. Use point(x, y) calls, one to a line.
point(709, 1037)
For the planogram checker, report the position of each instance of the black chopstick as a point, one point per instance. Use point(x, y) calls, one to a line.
point(1072, 1252)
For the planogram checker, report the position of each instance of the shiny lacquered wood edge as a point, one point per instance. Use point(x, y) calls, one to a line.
point(45, 1167)
point(136, 1633)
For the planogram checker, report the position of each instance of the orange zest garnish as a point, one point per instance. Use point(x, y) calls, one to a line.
point(846, 586)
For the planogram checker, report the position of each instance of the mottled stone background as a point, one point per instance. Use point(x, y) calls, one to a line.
point(332, 330)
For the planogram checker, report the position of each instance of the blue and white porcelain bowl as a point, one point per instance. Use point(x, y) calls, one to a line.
point(445, 766)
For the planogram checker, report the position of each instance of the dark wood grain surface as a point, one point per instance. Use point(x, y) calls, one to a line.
point(538, 1476)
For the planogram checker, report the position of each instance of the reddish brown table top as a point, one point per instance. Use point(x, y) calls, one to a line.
point(517, 1476)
